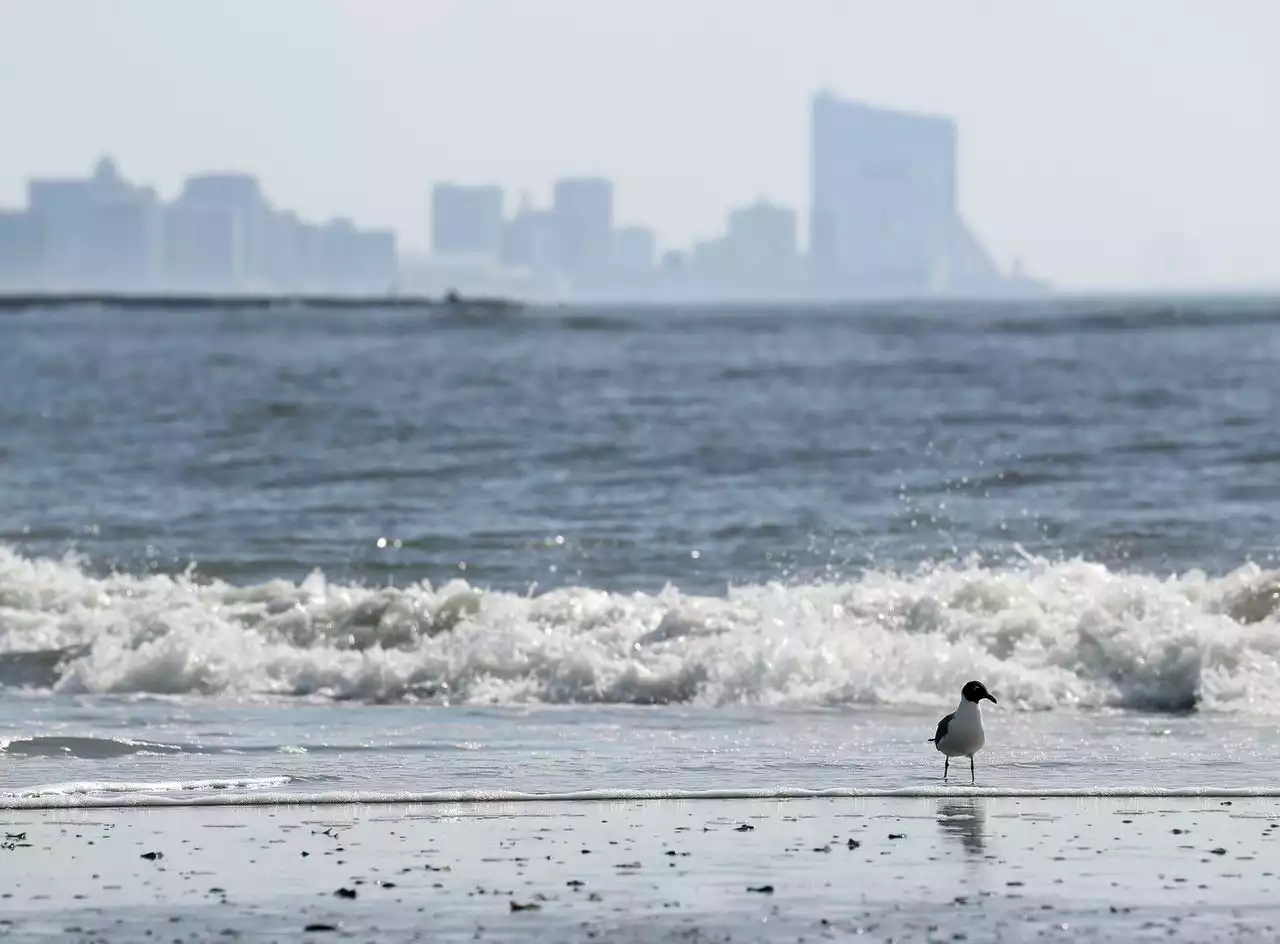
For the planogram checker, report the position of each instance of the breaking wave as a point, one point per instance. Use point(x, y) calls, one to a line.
point(88, 748)
point(1042, 634)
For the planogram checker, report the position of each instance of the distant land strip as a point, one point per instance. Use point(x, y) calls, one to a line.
point(14, 301)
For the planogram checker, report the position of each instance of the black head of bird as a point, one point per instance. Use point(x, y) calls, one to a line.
point(976, 692)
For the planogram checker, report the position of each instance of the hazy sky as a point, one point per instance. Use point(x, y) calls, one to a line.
point(1108, 143)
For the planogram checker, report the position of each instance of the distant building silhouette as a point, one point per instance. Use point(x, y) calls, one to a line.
point(204, 247)
point(582, 208)
point(884, 214)
point(98, 232)
point(529, 241)
point(762, 239)
point(102, 233)
point(215, 233)
point(22, 250)
point(634, 250)
point(467, 221)
point(351, 258)
point(883, 196)
point(239, 198)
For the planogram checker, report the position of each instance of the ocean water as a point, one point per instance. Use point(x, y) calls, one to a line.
point(310, 554)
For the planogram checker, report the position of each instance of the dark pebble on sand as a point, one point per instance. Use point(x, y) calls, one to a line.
point(345, 893)
point(1218, 851)
point(853, 844)
point(152, 856)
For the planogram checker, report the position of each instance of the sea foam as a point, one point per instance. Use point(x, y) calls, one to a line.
point(113, 795)
point(1043, 634)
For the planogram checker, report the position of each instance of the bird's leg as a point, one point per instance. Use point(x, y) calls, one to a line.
point(972, 775)
point(946, 765)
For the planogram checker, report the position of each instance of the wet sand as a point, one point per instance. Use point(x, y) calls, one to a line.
point(930, 869)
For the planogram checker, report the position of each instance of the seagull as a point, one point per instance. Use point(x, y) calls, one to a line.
point(960, 733)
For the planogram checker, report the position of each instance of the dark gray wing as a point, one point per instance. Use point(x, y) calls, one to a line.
point(942, 728)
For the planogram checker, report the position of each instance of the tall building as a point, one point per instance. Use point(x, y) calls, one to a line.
point(883, 196)
point(125, 234)
point(22, 252)
point(634, 249)
point(236, 191)
point(60, 208)
point(310, 274)
point(100, 232)
point(528, 240)
point(240, 197)
point(376, 266)
point(467, 221)
point(762, 239)
point(283, 252)
point(204, 247)
point(583, 211)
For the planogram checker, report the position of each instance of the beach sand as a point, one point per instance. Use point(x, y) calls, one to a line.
point(927, 869)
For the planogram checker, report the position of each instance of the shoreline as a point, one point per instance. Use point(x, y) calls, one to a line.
point(922, 869)
point(112, 796)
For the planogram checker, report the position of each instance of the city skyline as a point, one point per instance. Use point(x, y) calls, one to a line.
point(1110, 147)
point(883, 209)
point(104, 233)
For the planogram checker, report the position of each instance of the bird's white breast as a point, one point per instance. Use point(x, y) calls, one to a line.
point(964, 732)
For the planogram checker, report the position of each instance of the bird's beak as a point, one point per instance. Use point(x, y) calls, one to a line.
point(991, 698)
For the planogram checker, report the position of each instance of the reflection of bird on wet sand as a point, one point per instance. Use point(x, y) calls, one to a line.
point(966, 819)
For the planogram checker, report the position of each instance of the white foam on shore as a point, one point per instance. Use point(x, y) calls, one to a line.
point(133, 792)
point(99, 796)
point(1044, 634)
